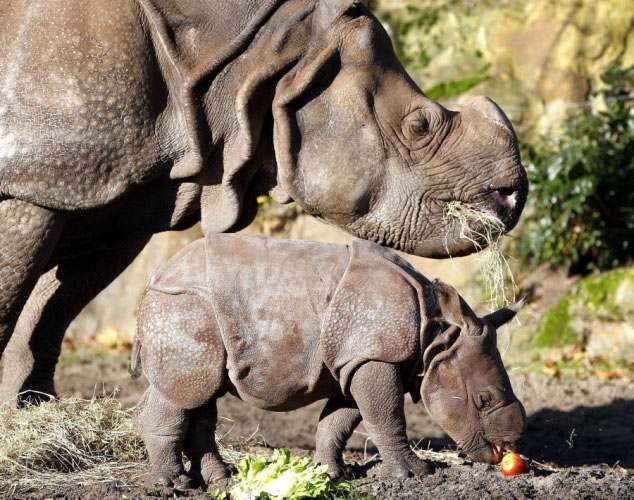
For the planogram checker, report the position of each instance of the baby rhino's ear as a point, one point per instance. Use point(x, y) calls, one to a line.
point(455, 310)
point(501, 316)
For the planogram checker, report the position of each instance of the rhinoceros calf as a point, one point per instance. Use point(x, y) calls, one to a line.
point(281, 324)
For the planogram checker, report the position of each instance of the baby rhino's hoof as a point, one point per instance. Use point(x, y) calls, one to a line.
point(415, 467)
point(220, 484)
point(181, 482)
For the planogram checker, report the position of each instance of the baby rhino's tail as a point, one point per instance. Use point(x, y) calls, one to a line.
point(135, 367)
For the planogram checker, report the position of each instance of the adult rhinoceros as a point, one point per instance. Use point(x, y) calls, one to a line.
point(123, 118)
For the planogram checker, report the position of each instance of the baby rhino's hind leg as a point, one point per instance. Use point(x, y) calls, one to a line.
point(163, 426)
point(207, 466)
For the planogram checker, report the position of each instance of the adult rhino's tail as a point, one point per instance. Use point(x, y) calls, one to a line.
point(135, 367)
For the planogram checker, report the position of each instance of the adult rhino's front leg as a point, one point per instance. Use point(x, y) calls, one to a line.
point(28, 235)
point(378, 391)
point(59, 295)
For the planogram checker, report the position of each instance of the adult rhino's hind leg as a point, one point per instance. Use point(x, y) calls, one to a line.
point(338, 420)
point(59, 295)
point(207, 466)
point(28, 235)
point(378, 391)
point(163, 427)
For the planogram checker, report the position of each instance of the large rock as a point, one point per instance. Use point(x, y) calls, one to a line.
point(598, 313)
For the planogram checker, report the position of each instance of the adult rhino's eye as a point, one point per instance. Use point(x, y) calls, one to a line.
point(415, 127)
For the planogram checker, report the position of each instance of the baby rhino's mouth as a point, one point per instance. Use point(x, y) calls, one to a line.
point(498, 453)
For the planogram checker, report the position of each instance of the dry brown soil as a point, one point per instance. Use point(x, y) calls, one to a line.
point(581, 429)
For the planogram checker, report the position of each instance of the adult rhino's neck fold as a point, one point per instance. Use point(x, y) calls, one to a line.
point(193, 42)
point(221, 61)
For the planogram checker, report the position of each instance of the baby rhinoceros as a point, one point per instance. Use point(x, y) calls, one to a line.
point(281, 324)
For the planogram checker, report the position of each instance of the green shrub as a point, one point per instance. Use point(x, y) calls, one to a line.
point(581, 204)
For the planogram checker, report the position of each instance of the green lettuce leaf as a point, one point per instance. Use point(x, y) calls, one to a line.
point(283, 477)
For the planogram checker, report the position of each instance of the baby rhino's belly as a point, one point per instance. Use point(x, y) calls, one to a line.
point(283, 378)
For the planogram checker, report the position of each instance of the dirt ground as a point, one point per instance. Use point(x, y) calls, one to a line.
point(580, 430)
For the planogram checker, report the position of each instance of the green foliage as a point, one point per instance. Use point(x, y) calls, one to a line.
point(582, 197)
point(402, 21)
point(285, 477)
point(447, 90)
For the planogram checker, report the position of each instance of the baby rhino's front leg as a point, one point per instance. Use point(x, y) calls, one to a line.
point(378, 391)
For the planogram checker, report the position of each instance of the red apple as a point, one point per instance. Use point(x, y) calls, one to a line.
point(514, 464)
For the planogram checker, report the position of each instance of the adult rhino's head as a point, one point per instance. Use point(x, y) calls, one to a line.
point(465, 386)
point(359, 145)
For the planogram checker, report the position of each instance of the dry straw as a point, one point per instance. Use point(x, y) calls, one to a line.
point(73, 441)
point(483, 227)
point(68, 441)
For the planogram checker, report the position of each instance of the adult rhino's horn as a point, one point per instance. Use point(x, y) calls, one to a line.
point(501, 316)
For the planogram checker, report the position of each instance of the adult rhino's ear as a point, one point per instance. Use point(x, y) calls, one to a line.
point(502, 316)
point(328, 10)
point(455, 310)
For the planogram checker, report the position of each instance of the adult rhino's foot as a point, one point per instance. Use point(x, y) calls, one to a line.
point(220, 484)
point(18, 391)
point(404, 467)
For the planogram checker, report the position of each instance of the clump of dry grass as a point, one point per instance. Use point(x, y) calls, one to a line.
point(68, 441)
point(478, 225)
point(76, 441)
point(448, 457)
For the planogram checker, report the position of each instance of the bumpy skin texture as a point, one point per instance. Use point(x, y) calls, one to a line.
point(123, 118)
point(281, 324)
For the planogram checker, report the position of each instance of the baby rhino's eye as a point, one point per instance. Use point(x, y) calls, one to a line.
point(485, 400)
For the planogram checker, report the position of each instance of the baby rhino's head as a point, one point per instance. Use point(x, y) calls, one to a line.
point(465, 386)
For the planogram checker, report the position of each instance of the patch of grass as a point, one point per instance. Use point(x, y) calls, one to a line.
point(482, 227)
point(556, 330)
point(598, 292)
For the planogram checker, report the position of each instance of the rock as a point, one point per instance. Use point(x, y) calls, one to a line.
point(624, 296)
point(597, 312)
point(613, 340)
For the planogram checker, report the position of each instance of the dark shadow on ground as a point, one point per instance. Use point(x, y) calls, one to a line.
point(601, 435)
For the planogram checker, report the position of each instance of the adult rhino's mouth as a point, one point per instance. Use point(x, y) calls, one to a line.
point(505, 199)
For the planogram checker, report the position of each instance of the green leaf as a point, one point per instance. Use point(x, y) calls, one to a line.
point(446, 90)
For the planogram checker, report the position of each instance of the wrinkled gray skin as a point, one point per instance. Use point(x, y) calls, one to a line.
point(123, 118)
point(282, 324)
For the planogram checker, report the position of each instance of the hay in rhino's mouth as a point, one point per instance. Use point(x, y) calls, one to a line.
point(483, 228)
